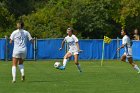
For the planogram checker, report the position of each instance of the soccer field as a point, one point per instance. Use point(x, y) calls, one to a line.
point(42, 77)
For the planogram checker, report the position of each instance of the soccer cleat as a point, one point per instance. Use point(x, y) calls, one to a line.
point(22, 78)
point(62, 68)
point(13, 81)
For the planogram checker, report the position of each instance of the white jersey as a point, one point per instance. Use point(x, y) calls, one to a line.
point(20, 38)
point(127, 44)
point(71, 40)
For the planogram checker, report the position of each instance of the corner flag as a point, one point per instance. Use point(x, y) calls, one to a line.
point(106, 40)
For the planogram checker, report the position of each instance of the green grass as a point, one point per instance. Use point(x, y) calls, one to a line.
point(42, 77)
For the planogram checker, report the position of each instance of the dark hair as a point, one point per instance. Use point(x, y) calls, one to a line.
point(126, 32)
point(21, 23)
point(71, 29)
point(130, 35)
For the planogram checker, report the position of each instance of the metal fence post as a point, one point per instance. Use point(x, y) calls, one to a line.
point(35, 48)
point(118, 45)
point(6, 49)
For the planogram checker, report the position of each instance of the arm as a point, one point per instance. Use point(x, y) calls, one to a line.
point(124, 42)
point(11, 41)
point(30, 38)
point(62, 45)
point(77, 44)
point(32, 41)
point(121, 47)
point(76, 41)
point(11, 38)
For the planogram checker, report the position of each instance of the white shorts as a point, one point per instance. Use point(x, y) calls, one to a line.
point(19, 55)
point(128, 53)
point(73, 52)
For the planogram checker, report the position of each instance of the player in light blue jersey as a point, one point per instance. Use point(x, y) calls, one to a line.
point(20, 38)
point(127, 44)
point(72, 41)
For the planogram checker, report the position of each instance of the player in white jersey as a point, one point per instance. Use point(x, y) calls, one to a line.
point(127, 44)
point(20, 38)
point(72, 41)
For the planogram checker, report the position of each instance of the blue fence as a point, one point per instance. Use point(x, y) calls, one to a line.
point(2, 48)
point(49, 49)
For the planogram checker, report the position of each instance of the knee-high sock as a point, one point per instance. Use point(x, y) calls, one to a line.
point(64, 62)
point(136, 67)
point(21, 68)
point(14, 73)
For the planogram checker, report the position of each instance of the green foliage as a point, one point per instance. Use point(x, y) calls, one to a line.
point(6, 20)
point(53, 19)
point(89, 18)
point(126, 9)
point(93, 19)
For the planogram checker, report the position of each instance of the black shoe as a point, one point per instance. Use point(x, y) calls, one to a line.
point(23, 78)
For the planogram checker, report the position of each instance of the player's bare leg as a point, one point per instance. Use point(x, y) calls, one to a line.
point(131, 61)
point(14, 64)
point(76, 62)
point(135, 66)
point(123, 58)
point(68, 54)
point(21, 68)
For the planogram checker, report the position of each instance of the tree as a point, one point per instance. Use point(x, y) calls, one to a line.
point(126, 13)
point(90, 18)
point(6, 20)
point(53, 19)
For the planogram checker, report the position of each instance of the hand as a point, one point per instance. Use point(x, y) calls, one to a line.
point(60, 49)
point(80, 50)
point(118, 49)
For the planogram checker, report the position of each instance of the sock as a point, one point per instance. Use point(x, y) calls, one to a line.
point(21, 68)
point(64, 62)
point(14, 73)
point(136, 67)
point(79, 68)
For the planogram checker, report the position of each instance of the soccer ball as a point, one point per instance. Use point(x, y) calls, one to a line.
point(57, 65)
